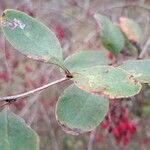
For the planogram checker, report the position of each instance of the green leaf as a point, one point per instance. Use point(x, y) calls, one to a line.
point(138, 68)
point(110, 81)
point(31, 37)
point(130, 28)
point(78, 111)
point(86, 58)
point(111, 36)
point(15, 134)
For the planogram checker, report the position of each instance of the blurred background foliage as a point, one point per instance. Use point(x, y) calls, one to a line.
point(74, 25)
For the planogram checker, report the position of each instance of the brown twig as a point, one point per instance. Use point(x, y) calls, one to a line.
point(127, 5)
point(26, 94)
point(91, 140)
point(4, 104)
point(145, 48)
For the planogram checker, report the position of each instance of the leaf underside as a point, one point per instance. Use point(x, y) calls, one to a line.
point(111, 36)
point(15, 134)
point(31, 37)
point(78, 111)
point(130, 28)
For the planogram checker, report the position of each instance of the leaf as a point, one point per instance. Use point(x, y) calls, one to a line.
point(130, 28)
point(31, 37)
point(78, 111)
point(15, 134)
point(140, 69)
point(110, 81)
point(111, 36)
point(86, 58)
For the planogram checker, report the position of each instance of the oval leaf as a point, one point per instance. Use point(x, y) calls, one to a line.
point(110, 81)
point(138, 68)
point(15, 134)
point(130, 28)
point(78, 111)
point(111, 36)
point(86, 58)
point(31, 37)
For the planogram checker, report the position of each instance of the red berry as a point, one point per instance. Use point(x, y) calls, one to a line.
point(126, 139)
point(116, 132)
point(99, 138)
point(132, 128)
point(4, 76)
point(28, 69)
point(105, 124)
point(42, 80)
point(19, 105)
point(60, 33)
point(118, 141)
point(110, 55)
point(121, 126)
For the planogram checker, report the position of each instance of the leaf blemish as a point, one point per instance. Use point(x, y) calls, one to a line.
point(3, 14)
point(69, 130)
point(15, 23)
point(106, 71)
point(40, 58)
point(133, 80)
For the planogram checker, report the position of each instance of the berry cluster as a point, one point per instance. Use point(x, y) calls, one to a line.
point(119, 125)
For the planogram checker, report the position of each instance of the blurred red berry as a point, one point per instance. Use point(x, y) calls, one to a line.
point(42, 80)
point(116, 132)
point(118, 141)
point(99, 138)
point(121, 126)
point(110, 55)
point(131, 127)
point(105, 124)
point(59, 30)
point(28, 69)
point(4, 76)
point(126, 139)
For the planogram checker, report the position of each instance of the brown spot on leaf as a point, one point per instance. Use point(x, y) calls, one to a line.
point(130, 77)
point(106, 71)
point(73, 131)
point(3, 14)
point(133, 79)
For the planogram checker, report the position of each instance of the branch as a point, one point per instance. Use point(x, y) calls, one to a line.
point(145, 48)
point(26, 94)
point(127, 5)
point(91, 140)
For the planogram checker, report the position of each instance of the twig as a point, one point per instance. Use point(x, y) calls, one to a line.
point(145, 48)
point(23, 95)
point(4, 104)
point(91, 140)
point(36, 97)
point(127, 5)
